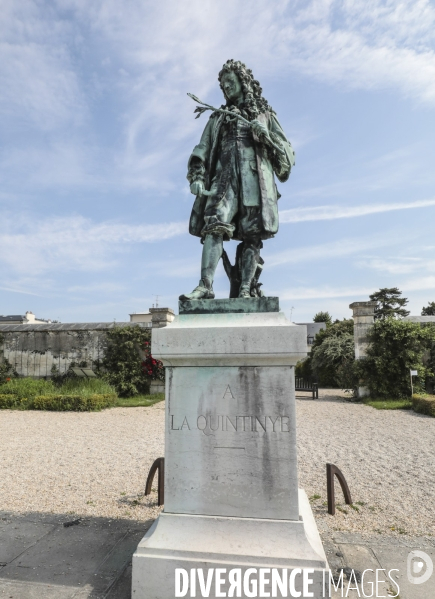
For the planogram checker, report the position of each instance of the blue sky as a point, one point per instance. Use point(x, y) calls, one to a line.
point(97, 129)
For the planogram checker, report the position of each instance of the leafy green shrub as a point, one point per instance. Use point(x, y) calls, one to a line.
point(424, 404)
point(331, 358)
point(395, 347)
point(123, 363)
point(303, 368)
point(328, 363)
point(74, 403)
point(7, 371)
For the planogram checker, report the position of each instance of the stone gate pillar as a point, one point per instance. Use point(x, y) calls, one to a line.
point(363, 319)
point(161, 317)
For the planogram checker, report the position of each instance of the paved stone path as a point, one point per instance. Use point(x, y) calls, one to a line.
point(351, 550)
point(54, 557)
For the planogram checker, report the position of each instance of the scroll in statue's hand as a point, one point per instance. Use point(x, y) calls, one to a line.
point(197, 188)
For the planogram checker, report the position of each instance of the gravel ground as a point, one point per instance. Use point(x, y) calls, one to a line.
point(95, 464)
point(92, 464)
point(387, 458)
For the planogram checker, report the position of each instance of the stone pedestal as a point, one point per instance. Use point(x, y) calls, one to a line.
point(231, 491)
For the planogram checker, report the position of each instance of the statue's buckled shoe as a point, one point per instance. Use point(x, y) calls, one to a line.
point(200, 292)
point(244, 292)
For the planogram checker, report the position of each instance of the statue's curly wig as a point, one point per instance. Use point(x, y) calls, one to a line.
point(254, 101)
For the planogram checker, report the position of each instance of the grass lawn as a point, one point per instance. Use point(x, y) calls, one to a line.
point(139, 400)
point(22, 393)
point(389, 404)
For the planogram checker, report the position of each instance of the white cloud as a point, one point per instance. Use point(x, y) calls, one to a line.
point(324, 291)
point(58, 61)
point(357, 293)
point(419, 283)
point(74, 243)
point(398, 265)
point(155, 52)
point(315, 213)
point(18, 290)
point(335, 249)
point(39, 83)
point(105, 287)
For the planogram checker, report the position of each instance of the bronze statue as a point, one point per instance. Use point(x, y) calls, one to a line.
point(231, 172)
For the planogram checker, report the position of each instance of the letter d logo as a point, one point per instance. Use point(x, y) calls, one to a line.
point(420, 567)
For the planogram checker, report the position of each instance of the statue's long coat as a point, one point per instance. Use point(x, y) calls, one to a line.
point(267, 161)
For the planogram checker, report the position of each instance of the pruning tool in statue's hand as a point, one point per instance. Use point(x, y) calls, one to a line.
point(258, 128)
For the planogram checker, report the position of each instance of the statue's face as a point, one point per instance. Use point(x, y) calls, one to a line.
point(232, 86)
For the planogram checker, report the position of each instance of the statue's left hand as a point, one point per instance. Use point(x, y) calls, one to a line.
point(259, 129)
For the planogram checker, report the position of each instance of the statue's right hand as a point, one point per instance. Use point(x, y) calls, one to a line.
point(197, 188)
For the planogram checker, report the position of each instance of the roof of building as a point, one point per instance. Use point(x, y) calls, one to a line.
point(420, 318)
point(13, 317)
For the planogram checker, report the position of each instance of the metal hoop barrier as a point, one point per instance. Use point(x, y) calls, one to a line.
point(159, 465)
point(332, 470)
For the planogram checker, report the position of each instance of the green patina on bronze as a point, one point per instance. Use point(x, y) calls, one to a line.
point(232, 173)
point(229, 306)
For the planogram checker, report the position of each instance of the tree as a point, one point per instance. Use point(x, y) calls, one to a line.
point(333, 356)
point(323, 317)
point(428, 310)
point(396, 347)
point(325, 363)
point(389, 303)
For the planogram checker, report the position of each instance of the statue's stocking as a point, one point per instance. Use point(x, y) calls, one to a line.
point(211, 254)
point(250, 259)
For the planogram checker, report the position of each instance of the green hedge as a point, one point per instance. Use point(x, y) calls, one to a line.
point(60, 403)
point(74, 403)
point(424, 404)
point(10, 400)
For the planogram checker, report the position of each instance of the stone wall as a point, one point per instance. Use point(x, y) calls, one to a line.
point(34, 349)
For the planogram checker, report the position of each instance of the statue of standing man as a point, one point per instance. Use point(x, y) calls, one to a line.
point(231, 172)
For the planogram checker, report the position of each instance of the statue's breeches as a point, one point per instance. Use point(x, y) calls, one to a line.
point(234, 208)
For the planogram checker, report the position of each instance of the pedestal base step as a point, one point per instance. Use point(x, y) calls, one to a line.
point(186, 542)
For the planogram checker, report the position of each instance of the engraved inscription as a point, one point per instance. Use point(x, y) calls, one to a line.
point(211, 423)
point(228, 393)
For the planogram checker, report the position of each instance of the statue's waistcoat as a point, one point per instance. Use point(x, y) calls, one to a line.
point(221, 143)
point(237, 158)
